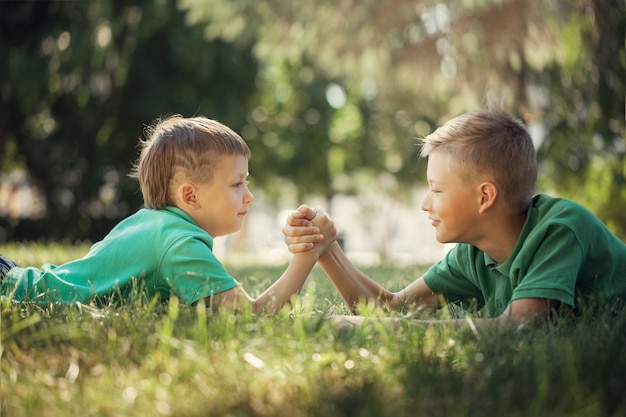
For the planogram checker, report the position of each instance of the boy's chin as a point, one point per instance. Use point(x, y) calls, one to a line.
point(444, 240)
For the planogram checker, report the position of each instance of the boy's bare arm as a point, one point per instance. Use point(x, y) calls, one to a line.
point(528, 309)
point(290, 283)
point(278, 295)
point(352, 284)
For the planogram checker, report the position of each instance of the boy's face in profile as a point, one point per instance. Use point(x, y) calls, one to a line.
point(451, 204)
point(223, 202)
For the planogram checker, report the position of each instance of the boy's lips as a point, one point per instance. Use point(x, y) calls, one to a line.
point(434, 222)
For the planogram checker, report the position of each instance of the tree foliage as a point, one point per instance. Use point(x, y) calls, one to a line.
point(410, 66)
point(330, 95)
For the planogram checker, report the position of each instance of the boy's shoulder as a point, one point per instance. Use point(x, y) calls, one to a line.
point(157, 224)
point(547, 201)
point(157, 229)
point(164, 215)
point(548, 207)
point(548, 214)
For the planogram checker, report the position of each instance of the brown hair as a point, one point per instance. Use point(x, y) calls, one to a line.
point(181, 147)
point(490, 142)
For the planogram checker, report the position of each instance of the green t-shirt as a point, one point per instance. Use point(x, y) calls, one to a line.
point(158, 251)
point(563, 252)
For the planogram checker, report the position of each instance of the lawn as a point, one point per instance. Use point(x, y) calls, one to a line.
point(150, 359)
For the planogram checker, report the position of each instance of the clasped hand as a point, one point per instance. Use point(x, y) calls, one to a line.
point(309, 229)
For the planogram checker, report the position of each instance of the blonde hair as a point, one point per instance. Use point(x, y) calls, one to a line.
point(181, 147)
point(492, 143)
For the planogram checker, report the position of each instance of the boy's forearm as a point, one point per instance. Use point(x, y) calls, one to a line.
point(351, 283)
point(289, 284)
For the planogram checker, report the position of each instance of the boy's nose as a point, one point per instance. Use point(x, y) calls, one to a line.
point(249, 197)
point(426, 202)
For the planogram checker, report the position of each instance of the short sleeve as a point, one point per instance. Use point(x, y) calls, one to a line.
point(553, 269)
point(191, 271)
point(450, 277)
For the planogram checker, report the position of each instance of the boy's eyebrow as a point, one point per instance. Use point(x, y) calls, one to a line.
point(433, 182)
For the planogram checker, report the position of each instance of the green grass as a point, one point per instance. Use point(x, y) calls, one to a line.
point(143, 359)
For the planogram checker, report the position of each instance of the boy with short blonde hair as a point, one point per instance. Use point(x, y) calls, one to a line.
point(192, 173)
point(518, 256)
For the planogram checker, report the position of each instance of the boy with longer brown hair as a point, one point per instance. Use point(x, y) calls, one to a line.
point(518, 256)
point(192, 173)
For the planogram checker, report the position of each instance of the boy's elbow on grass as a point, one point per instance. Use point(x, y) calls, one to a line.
point(234, 299)
point(528, 310)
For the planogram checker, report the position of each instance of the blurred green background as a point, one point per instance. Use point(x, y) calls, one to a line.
point(330, 95)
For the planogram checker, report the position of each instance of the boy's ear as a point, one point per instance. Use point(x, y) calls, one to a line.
point(187, 195)
point(488, 195)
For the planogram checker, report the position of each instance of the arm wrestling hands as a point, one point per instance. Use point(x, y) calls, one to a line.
point(306, 227)
point(317, 233)
point(352, 284)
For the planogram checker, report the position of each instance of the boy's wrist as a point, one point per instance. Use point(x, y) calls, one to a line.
point(308, 254)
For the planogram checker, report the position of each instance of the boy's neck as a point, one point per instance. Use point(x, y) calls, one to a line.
point(502, 235)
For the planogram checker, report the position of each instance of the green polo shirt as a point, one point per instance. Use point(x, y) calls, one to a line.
point(160, 252)
point(563, 252)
